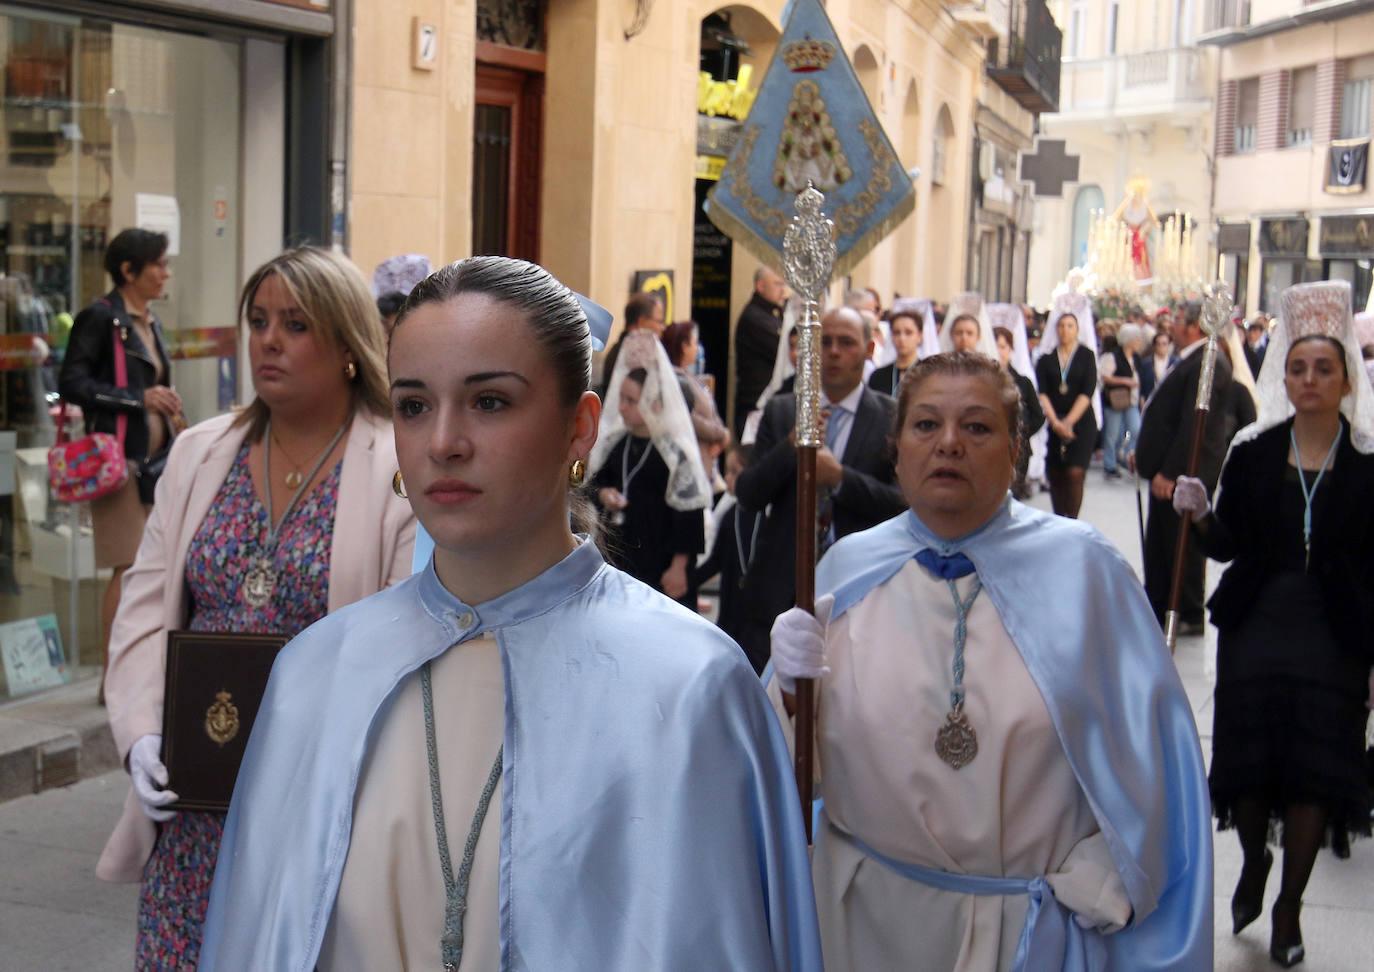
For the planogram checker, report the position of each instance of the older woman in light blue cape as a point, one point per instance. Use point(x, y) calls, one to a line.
point(1075, 834)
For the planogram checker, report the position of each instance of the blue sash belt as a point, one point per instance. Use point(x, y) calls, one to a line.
point(1051, 941)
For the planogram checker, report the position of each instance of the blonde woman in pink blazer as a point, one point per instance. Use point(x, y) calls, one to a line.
point(264, 521)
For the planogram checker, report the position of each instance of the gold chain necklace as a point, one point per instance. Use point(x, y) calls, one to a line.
point(294, 477)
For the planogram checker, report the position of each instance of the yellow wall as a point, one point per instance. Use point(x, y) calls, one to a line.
point(620, 132)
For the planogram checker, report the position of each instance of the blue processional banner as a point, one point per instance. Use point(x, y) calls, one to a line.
point(811, 122)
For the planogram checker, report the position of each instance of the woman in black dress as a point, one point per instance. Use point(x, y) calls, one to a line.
point(1067, 376)
point(1295, 610)
point(653, 504)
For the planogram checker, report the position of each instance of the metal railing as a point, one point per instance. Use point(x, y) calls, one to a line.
point(1028, 65)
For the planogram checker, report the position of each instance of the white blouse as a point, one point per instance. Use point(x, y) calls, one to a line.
point(389, 913)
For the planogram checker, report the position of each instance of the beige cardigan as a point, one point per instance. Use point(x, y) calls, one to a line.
point(373, 552)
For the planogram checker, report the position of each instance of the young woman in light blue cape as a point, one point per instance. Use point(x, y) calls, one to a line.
point(1011, 771)
point(520, 758)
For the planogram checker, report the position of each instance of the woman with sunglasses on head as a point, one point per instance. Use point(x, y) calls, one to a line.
point(521, 757)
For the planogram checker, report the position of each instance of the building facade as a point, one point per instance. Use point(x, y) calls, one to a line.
point(1020, 81)
point(1136, 100)
point(585, 134)
point(180, 116)
point(1293, 198)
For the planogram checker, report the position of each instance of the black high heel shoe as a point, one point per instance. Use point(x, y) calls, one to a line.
point(1246, 907)
point(1290, 953)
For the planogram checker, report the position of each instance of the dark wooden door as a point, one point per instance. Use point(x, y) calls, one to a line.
point(507, 161)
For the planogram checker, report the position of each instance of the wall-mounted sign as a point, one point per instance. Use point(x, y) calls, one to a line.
point(424, 45)
point(659, 282)
point(1346, 236)
point(161, 214)
point(1283, 237)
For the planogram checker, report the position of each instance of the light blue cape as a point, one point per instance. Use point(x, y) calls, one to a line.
point(649, 818)
point(1079, 618)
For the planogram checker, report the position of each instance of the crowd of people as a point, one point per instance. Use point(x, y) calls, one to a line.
point(491, 561)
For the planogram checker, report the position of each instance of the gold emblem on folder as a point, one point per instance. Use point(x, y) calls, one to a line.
point(222, 719)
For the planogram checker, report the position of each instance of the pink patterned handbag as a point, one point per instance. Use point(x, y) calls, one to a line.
point(92, 466)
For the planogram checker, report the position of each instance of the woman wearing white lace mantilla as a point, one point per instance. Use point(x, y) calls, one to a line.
point(1295, 610)
point(647, 473)
point(1010, 769)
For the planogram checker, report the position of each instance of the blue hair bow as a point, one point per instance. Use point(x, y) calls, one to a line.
point(598, 321)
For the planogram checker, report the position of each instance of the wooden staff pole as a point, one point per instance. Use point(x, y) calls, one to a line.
point(1215, 312)
point(808, 256)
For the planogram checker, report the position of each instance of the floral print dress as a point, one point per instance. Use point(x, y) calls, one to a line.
point(176, 879)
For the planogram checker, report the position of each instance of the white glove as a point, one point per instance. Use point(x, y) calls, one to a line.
point(150, 776)
point(1190, 496)
point(799, 644)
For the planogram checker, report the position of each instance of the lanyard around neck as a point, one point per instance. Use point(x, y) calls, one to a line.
point(627, 475)
point(1308, 494)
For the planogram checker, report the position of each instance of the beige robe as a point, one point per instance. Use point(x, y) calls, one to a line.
point(1015, 811)
point(389, 913)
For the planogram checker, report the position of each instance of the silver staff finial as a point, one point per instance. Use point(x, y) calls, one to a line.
point(1216, 307)
point(808, 249)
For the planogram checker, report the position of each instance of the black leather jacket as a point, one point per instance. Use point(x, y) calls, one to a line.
point(88, 371)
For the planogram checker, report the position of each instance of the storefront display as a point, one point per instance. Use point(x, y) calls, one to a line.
point(103, 125)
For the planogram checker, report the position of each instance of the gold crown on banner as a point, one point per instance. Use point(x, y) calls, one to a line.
point(1316, 309)
point(805, 56)
point(967, 304)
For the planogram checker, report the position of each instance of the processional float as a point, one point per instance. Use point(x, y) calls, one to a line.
point(812, 185)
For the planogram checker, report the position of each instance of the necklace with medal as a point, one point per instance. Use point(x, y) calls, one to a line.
point(955, 742)
point(294, 477)
point(1064, 373)
point(261, 580)
point(1308, 494)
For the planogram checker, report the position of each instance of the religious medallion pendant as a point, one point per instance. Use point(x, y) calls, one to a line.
point(293, 479)
point(1063, 388)
point(259, 584)
point(956, 743)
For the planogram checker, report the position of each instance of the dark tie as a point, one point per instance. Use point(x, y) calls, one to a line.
point(953, 567)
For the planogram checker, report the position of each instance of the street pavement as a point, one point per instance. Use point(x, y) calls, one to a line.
point(55, 915)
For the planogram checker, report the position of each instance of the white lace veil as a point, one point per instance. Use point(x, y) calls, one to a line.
point(969, 304)
point(1072, 302)
point(1013, 319)
point(1310, 309)
point(925, 310)
point(667, 416)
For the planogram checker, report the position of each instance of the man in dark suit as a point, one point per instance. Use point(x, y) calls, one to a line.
point(854, 471)
point(1166, 437)
point(756, 343)
point(1256, 343)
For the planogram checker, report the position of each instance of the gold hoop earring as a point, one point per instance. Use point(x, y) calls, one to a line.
point(350, 371)
point(577, 475)
point(398, 485)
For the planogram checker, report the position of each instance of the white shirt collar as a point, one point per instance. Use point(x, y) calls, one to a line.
point(850, 402)
point(1191, 348)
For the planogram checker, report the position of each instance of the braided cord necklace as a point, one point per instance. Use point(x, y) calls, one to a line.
point(955, 742)
point(455, 889)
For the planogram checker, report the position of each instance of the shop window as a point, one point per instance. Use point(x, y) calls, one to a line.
point(1302, 106)
point(1247, 114)
point(102, 127)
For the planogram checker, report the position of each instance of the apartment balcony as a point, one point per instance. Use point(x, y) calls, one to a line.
point(983, 18)
point(1027, 65)
point(1150, 84)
